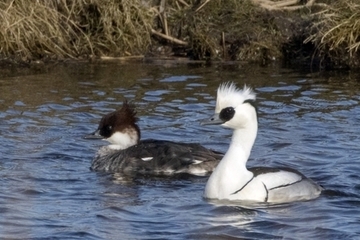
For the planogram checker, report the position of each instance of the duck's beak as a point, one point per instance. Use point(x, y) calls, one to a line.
point(215, 120)
point(94, 135)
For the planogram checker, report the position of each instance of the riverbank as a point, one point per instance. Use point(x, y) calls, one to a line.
point(317, 34)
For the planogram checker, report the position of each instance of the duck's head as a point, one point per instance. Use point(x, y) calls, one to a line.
point(119, 127)
point(234, 107)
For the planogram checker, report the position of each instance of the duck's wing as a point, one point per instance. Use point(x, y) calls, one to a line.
point(189, 158)
point(277, 177)
point(286, 184)
point(160, 157)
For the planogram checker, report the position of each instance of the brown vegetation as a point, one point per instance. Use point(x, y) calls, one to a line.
point(73, 29)
point(300, 31)
point(336, 34)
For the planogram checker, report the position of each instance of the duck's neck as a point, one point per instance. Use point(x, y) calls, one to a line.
point(239, 151)
point(231, 173)
point(243, 139)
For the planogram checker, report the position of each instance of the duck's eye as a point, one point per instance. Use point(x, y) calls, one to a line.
point(105, 131)
point(227, 113)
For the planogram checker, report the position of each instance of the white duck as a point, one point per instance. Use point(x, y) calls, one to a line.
point(231, 180)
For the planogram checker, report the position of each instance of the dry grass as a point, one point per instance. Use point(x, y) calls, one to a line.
point(218, 29)
point(336, 34)
point(224, 29)
point(73, 29)
point(201, 29)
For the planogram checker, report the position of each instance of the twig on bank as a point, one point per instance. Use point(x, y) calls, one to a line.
point(122, 58)
point(162, 15)
point(170, 38)
point(285, 4)
point(223, 44)
point(183, 2)
point(202, 5)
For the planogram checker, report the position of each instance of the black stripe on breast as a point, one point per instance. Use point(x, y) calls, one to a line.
point(267, 193)
point(243, 186)
point(286, 185)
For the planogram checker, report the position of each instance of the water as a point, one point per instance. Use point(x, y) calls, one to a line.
point(306, 121)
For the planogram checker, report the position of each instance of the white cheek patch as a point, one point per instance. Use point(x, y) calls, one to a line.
point(145, 159)
point(123, 140)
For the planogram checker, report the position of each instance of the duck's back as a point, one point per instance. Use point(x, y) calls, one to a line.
point(286, 184)
point(159, 157)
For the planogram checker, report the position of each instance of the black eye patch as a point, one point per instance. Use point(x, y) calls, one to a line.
point(105, 131)
point(227, 113)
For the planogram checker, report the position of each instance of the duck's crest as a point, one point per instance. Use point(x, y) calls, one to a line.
point(127, 112)
point(228, 95)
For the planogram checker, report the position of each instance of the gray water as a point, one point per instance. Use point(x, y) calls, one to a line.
point(309, 122)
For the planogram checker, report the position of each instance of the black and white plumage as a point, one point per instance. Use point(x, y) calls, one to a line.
point(231, 180)
point(128, 153)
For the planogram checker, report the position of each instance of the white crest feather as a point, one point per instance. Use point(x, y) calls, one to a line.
point(228, 95)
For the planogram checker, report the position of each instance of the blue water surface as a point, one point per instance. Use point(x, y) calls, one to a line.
point(307, 121)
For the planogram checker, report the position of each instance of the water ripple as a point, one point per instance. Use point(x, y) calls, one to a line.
point(47, 190)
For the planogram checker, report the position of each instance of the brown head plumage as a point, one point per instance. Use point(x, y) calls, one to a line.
point(119, 120)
